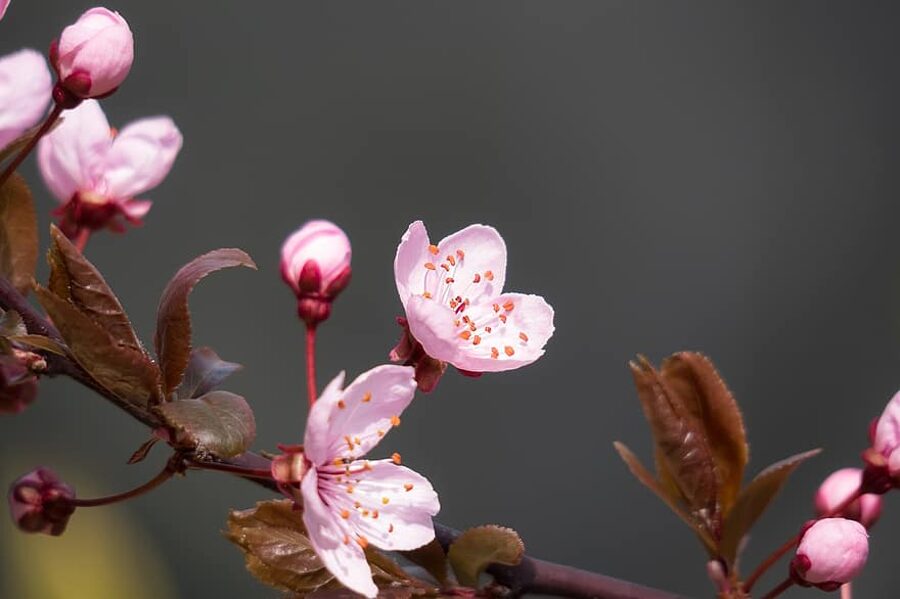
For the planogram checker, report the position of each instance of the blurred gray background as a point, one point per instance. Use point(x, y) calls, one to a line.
point(712, 175)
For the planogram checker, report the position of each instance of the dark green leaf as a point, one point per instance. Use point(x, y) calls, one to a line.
point(754, 500)
point(432, 558)
point(220, 423)
point(477, 548)
point(205, 371)
point(173, 321)
point(126, 373)
point(18, 234)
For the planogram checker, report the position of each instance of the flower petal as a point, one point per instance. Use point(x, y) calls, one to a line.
point(887, 431)
point(345, 425)
point(391, 506)
point(477, 252)
point(140, 157)
point(412, 254)
point(331, 538)
point(4, 4)
point(70, 156)
point(24, 92)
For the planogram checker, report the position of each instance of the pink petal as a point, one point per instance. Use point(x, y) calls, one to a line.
point(391, 506)
point(483, 257)
point(101, 44)
point(4, 4)
point(135, 210)
point(484, 343)
point(347, 424)
point(332, 539)
point(24, 91)
point(70, 157)
point(412, 254)
point(141, 156)
point(887, 431)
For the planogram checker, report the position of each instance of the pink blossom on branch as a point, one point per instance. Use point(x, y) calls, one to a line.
point(25, 86)
point(93, 55)
point(349, 502)
point(833, 551)
point(455, 306)
point(96, 173)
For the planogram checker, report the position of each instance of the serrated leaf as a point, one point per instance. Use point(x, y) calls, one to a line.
point(431, 557)
point(477, 548)
point(40, 342)
point(18, 234)
point(126, 373)
point(753, 501)
point(173, 321)
point(205, 371)
point(73, 277)
point(680, 440)
point(220, 423)
point(693, 378)
point(648, 480)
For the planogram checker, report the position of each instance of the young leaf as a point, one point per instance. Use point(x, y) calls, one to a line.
point(18, 234)
point(477, 548)
point(646, 478)
point(694, 379)
point(126, 373)
point(754, 500)
point(205, 371)
point(39, 342)
point(173, 321)
point(220, 423)
point(74, 278)
point(431, 557)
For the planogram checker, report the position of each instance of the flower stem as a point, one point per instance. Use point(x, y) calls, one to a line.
point(311, 363)
point(785, 585)
point(172, 466)
point(231, 469)
point(81, 238)
point(23, 153)
point(847, 591)
point(790, 543)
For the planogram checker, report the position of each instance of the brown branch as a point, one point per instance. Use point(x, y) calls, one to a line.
point(530, 576)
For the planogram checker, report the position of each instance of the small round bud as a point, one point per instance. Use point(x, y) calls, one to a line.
point(315, 257)
point(18, 385)
point(837, 488)
point(832, 552)
point(40, 503)
point(93, 55)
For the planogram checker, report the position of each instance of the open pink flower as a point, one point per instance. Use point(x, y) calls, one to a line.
point(455, 305)
point(25, 86)
point(96, 173)
point(349, 502)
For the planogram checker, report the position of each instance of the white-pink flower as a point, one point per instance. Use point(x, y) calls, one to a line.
point(455, 305)
point(94, 54)
point(96, 173)
point(349, 502)
point(25, 86)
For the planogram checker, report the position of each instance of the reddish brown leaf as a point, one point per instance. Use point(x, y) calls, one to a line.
point(754, 500)
point(477, 548)
point(18, 234)
point(205, 371)
point(431, 557)
point(693, 378)
point(173, 321)
point(126, 373)
point(219, 423)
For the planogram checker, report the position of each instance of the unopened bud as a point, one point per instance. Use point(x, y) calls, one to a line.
point(837, 488)
point(832, 552)
point(40, 503)
point(315, 260)
point(18, 385)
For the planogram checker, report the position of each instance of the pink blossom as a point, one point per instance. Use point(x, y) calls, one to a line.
point(40, 503)
point(455, 304)
point(349, 502)
point(96, 173)
point(94, 55)
point(25, 86)
point(837, 488)
point(832, 552)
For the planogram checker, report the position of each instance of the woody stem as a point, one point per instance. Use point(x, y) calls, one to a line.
point(172, 466)
point(785, 585)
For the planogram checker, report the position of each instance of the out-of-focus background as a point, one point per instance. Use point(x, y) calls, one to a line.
point(718, 176)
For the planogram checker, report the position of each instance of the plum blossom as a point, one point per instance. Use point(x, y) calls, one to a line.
point(93, 55)
point(833, 551)
point(25, 87)
point(96, 173)
point(455, 306)
point(838, 487)
point(349, 502)
point(39, 502)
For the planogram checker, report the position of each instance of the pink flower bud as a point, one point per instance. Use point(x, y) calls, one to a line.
point(837, 488)
point(93, 55)
point(315, 262)
point(832, 552)
point(18, 385)
point(40, 503)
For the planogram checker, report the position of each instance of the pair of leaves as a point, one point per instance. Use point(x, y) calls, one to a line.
point(701, 452)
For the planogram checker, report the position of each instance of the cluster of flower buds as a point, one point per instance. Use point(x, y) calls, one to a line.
point(315, 263)
point(882, 459)
point(838, 488)
point(18, 383)
point(40, 503)
point(832, 552)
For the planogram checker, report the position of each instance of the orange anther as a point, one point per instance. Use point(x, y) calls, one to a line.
point(350, 489)
point(466, 334)
point(349, 442)
point(380, 433)
point(362, 541)
point(448, 280)
point(375, 514)
point(523, 337)
point(477, 278)
point(357, 441)
point(356, 504)
point(429, 266)
point(445, 266)
point(509, 350)
point(461, 254)
point(426, 295)
point(489, 275)
point(341, 404)
point(476, 340)
point(508, 305)
point(487, 329)
point(472, 326)
point(367, 397)
point(408, 487)
point(385, 500)
point(345, 514)
point(395, 420)
point(433, 249)
point(346, 539)
point(396, 459)
point(391, 528)
point(466, 319)
point(495, 353)
point(502, 318)
point(496, 307)
point(451, 259)
point(365, 513)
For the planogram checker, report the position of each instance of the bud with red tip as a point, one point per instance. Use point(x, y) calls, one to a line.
point(315, 262)
point(40, 503)
point(837, 488)
point(92, 57)
point(18, 385)
point(832, 552)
